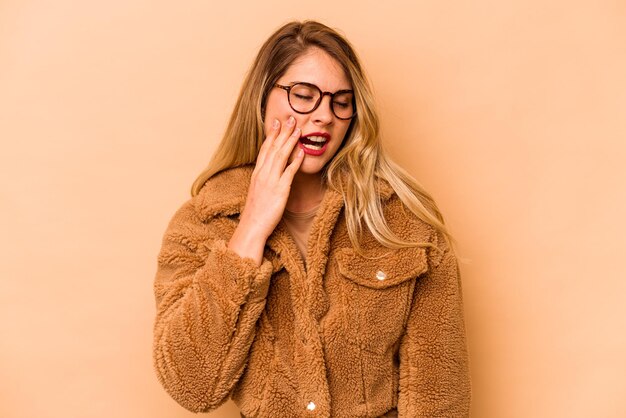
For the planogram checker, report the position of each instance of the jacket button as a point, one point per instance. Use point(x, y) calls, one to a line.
point(381, 275)
point(310, 406)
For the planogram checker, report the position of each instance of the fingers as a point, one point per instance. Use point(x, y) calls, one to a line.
point(293, 167)
point(286, 132)
point(277, 148)
point(267, 142)
point(281, 157)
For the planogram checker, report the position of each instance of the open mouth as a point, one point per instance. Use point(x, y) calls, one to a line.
point(313, 142)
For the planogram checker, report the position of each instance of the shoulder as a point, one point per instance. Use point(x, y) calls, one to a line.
point(224, 193)
point(402, 219)
point(411, 227)
point(228, 180)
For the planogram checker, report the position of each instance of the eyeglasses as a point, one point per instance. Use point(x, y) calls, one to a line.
point(306, 97)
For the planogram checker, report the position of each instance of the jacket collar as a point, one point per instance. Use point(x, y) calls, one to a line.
point(225, 193)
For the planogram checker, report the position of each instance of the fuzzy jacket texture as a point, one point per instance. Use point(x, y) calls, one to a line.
point(349, 336)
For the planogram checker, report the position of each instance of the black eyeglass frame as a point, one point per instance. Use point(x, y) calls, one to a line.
point(319, 100)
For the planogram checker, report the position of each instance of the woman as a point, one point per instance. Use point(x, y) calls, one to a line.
point(269, 288)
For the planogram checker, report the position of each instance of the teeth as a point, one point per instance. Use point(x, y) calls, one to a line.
point(315, 147)
point(316, 138)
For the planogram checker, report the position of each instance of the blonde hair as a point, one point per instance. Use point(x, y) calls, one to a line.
point(361, 153)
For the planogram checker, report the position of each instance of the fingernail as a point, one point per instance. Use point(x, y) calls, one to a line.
point(275, 123)
point(291, 120)
point(296, 132)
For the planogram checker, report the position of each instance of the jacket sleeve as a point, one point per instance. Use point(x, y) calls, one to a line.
point(434, 362)
point(208, 300)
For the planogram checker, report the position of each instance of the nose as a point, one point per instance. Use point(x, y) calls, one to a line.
point(323, 114)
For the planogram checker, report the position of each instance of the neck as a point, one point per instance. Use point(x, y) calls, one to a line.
point(306, 192)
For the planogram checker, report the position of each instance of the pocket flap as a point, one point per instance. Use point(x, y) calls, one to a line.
point(393, 267)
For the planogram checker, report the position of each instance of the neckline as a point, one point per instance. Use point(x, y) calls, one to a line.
point(302, 215)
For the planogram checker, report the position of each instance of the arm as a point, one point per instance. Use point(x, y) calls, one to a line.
point(434, 363)
point(208, 300)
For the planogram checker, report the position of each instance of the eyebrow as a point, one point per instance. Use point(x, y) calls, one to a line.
point(308, 82)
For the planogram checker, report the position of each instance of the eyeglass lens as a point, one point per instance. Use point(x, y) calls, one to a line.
point(303, 98)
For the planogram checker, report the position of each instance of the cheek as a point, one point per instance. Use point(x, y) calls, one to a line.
point(344, 131)
point(276, 108)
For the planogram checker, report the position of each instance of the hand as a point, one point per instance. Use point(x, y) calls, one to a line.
point(270, 183)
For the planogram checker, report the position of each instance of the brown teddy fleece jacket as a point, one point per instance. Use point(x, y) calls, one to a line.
point(350, 336)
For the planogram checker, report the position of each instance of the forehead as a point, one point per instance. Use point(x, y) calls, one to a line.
point(317, 67)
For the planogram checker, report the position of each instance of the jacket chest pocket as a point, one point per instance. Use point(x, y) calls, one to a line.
point(378, 294)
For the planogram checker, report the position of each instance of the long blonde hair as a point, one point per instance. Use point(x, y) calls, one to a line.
point(361, 153)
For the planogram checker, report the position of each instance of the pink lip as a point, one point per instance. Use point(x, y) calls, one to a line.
point(323, 134)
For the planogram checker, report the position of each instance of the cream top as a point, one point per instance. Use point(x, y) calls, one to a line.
point(299, 225)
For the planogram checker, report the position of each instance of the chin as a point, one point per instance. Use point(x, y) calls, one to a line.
point(310, 168)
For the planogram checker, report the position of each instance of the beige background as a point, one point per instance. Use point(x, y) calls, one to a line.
point(511, 113)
